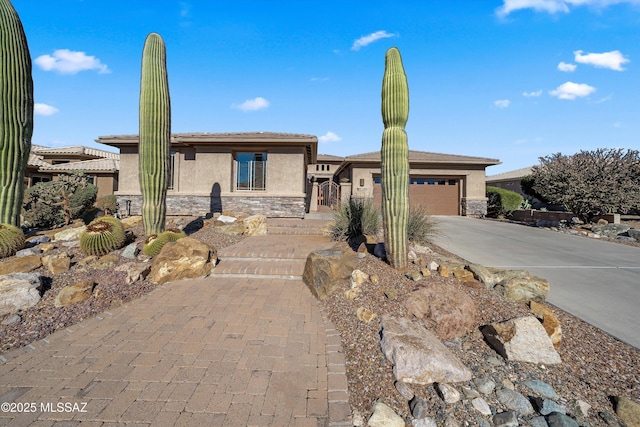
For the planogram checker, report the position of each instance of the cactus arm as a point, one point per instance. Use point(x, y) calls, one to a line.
point(16, 112)
point(155, 134)
point(395, 160)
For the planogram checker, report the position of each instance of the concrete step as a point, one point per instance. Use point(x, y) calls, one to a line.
point(272, 268)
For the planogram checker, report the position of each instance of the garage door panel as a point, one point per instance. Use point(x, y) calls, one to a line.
point(440, 196)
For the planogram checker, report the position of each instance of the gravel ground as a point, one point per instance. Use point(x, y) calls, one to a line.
point(595, 365)
point(110, 291)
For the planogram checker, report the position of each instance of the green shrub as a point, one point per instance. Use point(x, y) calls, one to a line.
point(421, 228)
point(502, 202)
point(355, 218)
point(107, 204)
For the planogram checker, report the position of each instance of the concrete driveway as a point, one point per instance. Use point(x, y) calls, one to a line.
point(595, 280)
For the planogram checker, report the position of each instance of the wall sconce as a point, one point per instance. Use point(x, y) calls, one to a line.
point(361, 182)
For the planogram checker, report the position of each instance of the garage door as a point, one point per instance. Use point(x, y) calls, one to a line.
point(441, 196)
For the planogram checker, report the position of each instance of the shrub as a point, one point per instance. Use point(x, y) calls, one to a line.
point(52, 203)
point(421, 228)
point(355, 218)
point(107, 204)
point(590, 183)
point(502, 202)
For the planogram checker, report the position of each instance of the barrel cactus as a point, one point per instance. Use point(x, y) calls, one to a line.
point(11, 240)
point(395, 159)
point(154, 244)
point(102, 236)
point(16, 113)
point(155, 134)
point(174, 234)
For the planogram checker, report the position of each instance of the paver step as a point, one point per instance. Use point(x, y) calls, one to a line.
point(290, 269)
point(298, 231)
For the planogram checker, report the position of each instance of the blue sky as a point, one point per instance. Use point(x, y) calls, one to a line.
point(506, 79)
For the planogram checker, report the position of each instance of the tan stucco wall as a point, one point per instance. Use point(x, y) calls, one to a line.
point(286, 172)
point(128, 180)
point(106, 185)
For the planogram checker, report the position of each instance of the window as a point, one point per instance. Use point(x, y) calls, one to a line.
point(251, 171)
point(172, 168)
point(377, 180)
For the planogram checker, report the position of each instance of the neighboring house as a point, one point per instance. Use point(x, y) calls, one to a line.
point(326, 191)
point(445, 184)
point(251, 172)
point(100, 166)
point(509, 180)
point(324, 168)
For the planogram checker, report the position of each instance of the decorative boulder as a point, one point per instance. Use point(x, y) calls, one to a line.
point(57, 263)
point(524, 289)
point(610, 230)
point(327, 270)
point(550, 322)
point(417, 355)
point(23, 264)
point(186, 258)
point(384, 416)
point(73, 294)
point(451, 311)
point(628, 410)
point(255, 225)
point(522, 339)
point(19, 291)
point(135, 271)
point(69, 234)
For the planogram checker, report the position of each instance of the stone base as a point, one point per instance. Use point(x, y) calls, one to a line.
point(474, 207)
point(271, 207)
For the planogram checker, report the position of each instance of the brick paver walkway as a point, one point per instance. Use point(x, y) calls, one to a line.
point(225, 350)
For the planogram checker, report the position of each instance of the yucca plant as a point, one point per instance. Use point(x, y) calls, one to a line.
point(11, 240)
point(103, 235)
point(155, 134)
point(16, 112)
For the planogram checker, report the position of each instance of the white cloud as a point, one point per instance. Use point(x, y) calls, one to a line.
point(568, 68)
point(570, 90)
point(612, 60)
point(44, 109)
point(535, 93)
point(555, 6)
point(366, 40)
point(502, 103)
point(319, 79)
point(329, 137)
point(254, 104)
point(66, 61)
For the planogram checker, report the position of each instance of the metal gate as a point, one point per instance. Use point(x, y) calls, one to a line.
point(328, 193)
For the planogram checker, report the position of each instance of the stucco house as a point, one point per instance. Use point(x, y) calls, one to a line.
point(100, 166)
point(250, 172)
point(510, 180)
point(446, 184)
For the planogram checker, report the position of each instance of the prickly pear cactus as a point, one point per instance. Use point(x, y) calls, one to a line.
point(16, 113)
point(155, 135)
point(395, 159)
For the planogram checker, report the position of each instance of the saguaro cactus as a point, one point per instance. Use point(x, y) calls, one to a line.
point(395, 159)
point(16, 114)
point(155, 134)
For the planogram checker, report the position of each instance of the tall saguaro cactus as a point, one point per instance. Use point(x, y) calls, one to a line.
point(16, 113)
point(395, 159)
point(155, 134)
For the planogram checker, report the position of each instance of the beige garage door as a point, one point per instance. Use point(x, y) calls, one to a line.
point(441, 196)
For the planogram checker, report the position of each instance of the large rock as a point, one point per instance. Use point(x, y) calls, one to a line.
point(610, 230)
point(23, 264)
point(491, 277)
point(327, 270)
point(186, 258)
point(73, 294)
point(135, 271)
point(550, 322)
point(384, 416)
point(451, 311)
point(69, 234)
point(255, 225)
point(57, 263)
point(634, 233)
point(131, 221)
point(523, 289)
point(19, 291)
point(418, 356)
point(522, 339)
point(628, 411)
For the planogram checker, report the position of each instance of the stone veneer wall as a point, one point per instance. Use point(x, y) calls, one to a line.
point(474, 207)
point(272, 207)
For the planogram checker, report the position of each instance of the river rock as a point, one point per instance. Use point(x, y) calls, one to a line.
point(628, 410)
point(384, 416)
point(69, 234)
point(485, 385)
point(481, 406)
point(514, 401)
point(447, 393)
point(186, 258)
point(24, 264)
point(522, 339)
point(424, 422)
point(547, 406)
point(19, 291)
point(131, 251)
point(27, 252)
point(538, 422)
point(255, 225)
point(418, 356)
point(505, 419)
point(405, 391)
point(451, 311)
point(75, 293)
point(327, 270)
point(542, 389)
point(419, 407)
point(558, 419)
